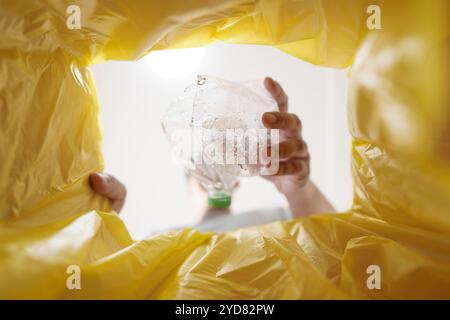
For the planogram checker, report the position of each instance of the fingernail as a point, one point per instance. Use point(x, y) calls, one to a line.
point(104, 177)
point(270, 118)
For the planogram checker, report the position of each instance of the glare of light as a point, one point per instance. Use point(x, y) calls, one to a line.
point(176, 63)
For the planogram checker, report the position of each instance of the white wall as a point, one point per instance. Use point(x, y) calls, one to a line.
point(133, 97)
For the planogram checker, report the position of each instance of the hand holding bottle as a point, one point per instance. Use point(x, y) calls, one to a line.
point(292, 179)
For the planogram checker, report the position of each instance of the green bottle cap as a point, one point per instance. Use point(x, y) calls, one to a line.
point(219, 201)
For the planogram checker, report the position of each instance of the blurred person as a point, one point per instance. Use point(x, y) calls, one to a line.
point(292, 179)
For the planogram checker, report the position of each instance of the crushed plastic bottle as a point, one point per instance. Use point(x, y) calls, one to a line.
point(216, 132)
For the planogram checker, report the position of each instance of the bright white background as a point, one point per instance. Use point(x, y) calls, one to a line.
point(134, 95)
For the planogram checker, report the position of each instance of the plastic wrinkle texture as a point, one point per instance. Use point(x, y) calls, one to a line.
point(50, 141)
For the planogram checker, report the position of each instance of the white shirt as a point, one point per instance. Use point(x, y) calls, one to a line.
point(223, 221)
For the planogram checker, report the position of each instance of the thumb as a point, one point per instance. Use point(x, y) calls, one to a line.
point(108, 186)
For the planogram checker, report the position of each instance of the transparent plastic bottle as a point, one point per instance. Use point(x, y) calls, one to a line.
point(214, 130)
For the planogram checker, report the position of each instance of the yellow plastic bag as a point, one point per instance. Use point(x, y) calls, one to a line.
point(53, 225)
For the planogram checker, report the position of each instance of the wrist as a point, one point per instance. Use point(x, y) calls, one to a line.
point(301, 192)
point(307, 200)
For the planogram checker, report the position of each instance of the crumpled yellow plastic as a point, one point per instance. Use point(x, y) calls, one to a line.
point(50, 141)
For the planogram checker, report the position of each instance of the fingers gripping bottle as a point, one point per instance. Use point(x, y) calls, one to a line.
point(216, 132)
